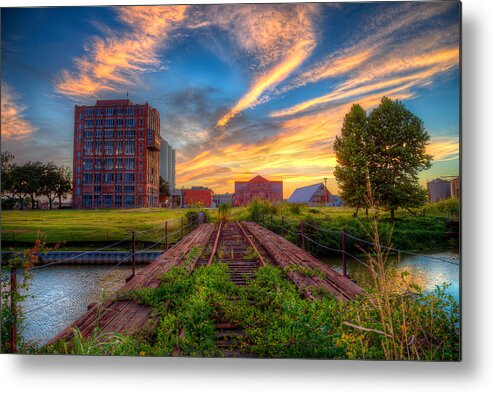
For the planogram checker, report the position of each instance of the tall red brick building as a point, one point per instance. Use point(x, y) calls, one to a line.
point(246, 191)
point(116, 155)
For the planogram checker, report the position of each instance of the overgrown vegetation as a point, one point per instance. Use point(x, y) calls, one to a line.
point(278, 322)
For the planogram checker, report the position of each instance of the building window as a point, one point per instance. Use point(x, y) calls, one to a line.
point(97, 189)
point(107, 200)
point(130, 122)
point(118, 187)
point(129, 133)
point(119, 122)
point(150, 137)
point(119, 111)
point(97, 178)
point(89, 112)
point(118, 164)
point(87, 178)
point(109, 122)
point(99, 134)
point(118, 177)
point(119, 147)
point(110, 111)
point(141, 122)
point(88, 134)
point(129, 189)
point(129, 201)
point(87, 165)
point(88, 123)
point(99, 123)
point(98, 148)
point(129, 163)
point(129, 177)
point(99, 112)
point(88, 148)
point(129, 147)
point(130, 111)
point(97, 163)
point(97, 200)
point(108, 163)
point(140, 200)
point(108, 178)
point(86, 200)
point(108, 133)
point(108, 147)
point(118, 200)
point(141, 147)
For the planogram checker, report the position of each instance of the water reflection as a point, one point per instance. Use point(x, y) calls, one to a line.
point(75, 286)
point(425, 272)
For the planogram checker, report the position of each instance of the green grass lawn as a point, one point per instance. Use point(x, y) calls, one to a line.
point(87, 225)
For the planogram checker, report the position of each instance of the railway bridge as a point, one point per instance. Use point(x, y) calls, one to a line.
point(244, 247)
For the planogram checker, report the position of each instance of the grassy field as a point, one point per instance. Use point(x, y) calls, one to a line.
point(425, 229)
point(86, 225)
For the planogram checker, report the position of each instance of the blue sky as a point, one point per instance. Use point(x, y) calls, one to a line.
point(242, 89)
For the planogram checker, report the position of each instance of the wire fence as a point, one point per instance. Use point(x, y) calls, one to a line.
point(182, 230)
point(286, 227)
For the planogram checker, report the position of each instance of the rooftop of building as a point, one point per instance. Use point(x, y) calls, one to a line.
point(304, 194)
point(259, 179)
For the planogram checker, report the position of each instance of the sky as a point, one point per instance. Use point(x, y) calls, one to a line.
point(243, 90)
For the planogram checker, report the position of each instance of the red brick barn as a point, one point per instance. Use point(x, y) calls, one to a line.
point(258, 187)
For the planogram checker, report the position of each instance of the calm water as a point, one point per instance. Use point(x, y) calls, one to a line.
point(76, 286)
point(425, 272)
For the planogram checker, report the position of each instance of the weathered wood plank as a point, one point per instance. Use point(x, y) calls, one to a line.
point(288, 256)
point(125, 316)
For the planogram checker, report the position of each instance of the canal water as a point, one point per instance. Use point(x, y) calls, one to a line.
point(426, 272)
point(60, 294)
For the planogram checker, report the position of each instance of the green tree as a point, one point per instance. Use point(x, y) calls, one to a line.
point(49, 179)
point(164, 187)
point(351, 155)
point(390, 146)
point(63, 183)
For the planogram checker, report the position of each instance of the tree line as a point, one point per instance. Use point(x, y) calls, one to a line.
point(386, 150)
point(24, 183)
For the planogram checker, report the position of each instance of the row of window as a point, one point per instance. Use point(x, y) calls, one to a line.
point(108, 178)
point(107, 200)
point(110, 163)
point(110, 148)
point(110, 111)
point(110, 134)
point(130, 122)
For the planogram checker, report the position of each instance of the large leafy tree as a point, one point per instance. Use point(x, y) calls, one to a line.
point(392, 150)
point(350, 150)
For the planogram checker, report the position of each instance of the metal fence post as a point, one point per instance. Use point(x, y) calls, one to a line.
point(166, 234)
point(302, 235)
point(13, 309)
point(344, 260)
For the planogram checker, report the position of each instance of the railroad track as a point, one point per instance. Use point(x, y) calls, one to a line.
point(231, 244)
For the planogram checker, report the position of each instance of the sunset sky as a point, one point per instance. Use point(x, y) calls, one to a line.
point(242, 89)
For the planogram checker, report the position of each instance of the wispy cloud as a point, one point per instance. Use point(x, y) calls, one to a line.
point(279, 38)
point(444, 148)
point(117, 60)
point(15, 126)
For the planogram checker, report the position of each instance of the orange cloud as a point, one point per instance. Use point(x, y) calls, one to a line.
point(297, 56)
point(281, 37)
point(117, 60)
point(14, 124)
point(444, 148)
point(430, 64)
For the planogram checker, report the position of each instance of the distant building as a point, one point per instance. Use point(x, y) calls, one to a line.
point(455, 187)
point(336, 201)
point(258, 187)
point(197, 196)
point(222, 199)
point(314, 195)
point(438, 189)
point(167, 164)
point(116, 155)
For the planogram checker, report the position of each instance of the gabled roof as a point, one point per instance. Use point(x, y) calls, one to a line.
point(304, 194)
point(258, 179)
